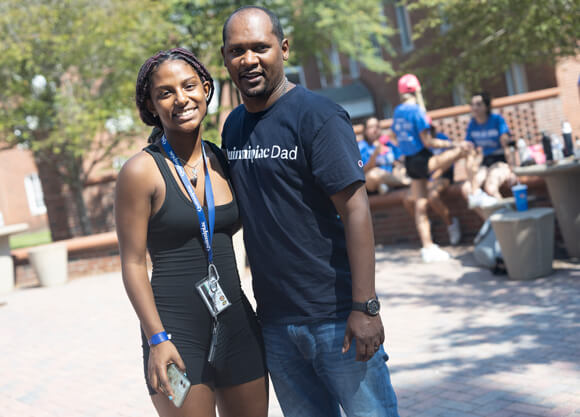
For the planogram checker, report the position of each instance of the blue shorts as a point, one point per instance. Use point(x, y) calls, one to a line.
point(312, 378)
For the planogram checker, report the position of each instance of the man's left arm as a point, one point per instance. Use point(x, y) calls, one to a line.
point(353, 207)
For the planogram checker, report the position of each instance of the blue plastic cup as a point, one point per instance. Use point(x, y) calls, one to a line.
point(521, 195)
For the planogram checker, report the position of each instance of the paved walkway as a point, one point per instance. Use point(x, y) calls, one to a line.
point(462, 343)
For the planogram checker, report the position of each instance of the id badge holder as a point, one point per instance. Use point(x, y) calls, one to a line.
point(211, 292)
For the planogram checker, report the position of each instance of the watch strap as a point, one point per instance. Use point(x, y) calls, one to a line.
point(359, 307)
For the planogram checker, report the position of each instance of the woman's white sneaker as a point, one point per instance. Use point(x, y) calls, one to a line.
point(434, 253)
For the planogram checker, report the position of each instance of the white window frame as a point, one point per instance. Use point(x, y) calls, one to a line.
point(334, 58)
point(336, 67)
point(459, 94)
point(34, 194)
point(445, 25)
point(404, 26)
point(378, 47)
point(353, 68)
point(516, 79)
point(296, 69)
point(323, 80)
point(388, 110)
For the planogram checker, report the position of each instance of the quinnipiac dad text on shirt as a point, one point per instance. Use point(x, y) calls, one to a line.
point(285, 162)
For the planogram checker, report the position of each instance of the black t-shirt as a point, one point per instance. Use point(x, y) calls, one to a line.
point(285, 162)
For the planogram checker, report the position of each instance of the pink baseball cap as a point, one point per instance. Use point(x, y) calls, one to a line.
point(408, 83)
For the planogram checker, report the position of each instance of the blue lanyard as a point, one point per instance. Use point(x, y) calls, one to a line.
point(206, 232)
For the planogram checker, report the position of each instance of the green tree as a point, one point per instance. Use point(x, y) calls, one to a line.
point(475, 40)
point(356, 28)
point(67, 79)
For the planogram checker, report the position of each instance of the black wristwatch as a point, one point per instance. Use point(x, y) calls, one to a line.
point(370, 307)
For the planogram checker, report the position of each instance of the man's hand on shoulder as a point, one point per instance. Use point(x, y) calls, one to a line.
point(368, 332)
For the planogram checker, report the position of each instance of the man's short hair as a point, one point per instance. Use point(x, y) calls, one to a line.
point(276, 26)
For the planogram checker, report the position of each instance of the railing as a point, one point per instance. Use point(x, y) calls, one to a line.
point(526, 114)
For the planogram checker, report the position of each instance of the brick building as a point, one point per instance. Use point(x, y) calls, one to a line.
point(364, 93)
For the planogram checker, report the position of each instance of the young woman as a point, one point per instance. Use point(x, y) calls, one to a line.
point(438, 182)
point(174, 200)
point(412, 130)
point(488, 169)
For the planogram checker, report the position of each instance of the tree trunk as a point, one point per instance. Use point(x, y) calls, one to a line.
point(77, 188)
point(55, 199)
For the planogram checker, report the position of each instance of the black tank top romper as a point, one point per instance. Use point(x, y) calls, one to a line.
point(179, 262)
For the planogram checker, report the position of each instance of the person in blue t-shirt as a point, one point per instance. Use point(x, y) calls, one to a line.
point(298, 177)
point(440, 180)
point(412, 131)
point(381, 160)
point(488, 168)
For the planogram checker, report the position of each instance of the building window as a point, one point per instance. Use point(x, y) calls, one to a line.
point(34, 194)
point(375, 41)
point(387, 110)
point(295, 75)
point(445, 25)
point(459, 94)
point(334, 78)
point(322, 72)
point(336, 68)
point(1, 219)
point(516, 80)
point(404, 25)
point(353, 68)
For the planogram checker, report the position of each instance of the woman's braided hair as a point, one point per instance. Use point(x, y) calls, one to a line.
point(143, 87)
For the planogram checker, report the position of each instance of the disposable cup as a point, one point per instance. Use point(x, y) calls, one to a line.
point(521, 195)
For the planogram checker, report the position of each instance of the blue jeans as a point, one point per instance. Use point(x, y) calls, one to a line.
point(312, 378)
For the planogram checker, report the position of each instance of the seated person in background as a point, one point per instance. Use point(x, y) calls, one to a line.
point(487, 168)
point(438, 182)
point(380, 158)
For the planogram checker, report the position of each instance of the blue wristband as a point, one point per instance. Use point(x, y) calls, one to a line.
point(159, 338)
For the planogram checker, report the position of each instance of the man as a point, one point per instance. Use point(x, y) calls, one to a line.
point(380, 158)
point(297, 173)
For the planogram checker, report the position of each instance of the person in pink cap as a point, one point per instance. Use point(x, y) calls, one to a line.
point(412, 130)
point(439, 181)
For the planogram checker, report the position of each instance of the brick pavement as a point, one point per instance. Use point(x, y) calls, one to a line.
point(462, 342)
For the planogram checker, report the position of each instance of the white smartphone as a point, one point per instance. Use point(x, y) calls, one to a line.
point(179, 384)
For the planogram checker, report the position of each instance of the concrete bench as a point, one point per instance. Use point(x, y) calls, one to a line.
point(527, 241)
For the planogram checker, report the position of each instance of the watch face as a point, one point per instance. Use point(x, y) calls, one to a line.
point(373, 307)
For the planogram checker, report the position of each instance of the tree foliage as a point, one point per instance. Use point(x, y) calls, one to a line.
point(474, 40)
point(67, 77)
point(355, 27)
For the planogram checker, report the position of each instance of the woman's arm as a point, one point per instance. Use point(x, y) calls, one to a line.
point(133, 205)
